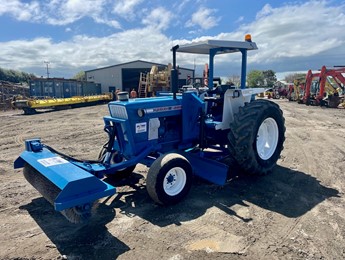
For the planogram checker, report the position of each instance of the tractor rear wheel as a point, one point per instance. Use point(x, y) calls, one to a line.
point(169, 179)
point(256, 136)
point(117, 158)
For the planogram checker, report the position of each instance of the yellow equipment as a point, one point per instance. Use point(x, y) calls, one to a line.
point(296, 91)
point(154, 81)
point(30, 105)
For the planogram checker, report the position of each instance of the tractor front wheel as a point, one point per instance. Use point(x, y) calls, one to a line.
point(169, 179)
point(256, 136)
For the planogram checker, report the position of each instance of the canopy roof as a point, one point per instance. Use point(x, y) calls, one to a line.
point(204, 47)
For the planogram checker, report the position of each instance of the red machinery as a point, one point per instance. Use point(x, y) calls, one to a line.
point(324, 93)
point(308, 83)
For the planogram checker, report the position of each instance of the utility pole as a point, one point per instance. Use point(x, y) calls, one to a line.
point(47, 64)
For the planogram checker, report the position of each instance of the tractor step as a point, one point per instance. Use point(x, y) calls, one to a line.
point(208, 169)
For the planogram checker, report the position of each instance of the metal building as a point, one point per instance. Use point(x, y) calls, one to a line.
point(125, 76)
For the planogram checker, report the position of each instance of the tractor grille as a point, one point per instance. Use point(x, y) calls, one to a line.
point(117, 111)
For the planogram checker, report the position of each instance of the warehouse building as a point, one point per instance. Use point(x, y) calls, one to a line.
point(126, 76)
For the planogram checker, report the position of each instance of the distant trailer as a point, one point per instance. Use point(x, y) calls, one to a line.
point(31, 105)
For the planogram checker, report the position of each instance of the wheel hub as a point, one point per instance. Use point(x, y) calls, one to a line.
point(267, 138)
point(174, 181)
point(171, 179)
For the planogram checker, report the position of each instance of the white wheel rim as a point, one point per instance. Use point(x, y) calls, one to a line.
point(267, 138)
point(174, 181)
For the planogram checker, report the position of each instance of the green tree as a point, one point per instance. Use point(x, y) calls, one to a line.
point(80, 76)
point(15, 76)
point(269, 78)
point(255, 78)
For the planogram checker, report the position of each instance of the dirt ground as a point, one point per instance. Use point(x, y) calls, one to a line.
point(297, 212)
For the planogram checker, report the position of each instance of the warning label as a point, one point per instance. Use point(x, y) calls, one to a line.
point(140, 127)
point(52, 161)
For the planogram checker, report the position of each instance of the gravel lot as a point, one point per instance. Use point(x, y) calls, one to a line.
point(297, 212)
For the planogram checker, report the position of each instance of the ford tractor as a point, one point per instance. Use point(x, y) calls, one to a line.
point(178, 135)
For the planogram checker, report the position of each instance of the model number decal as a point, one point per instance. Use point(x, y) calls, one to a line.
point(162, 109)
point(140, 127)
point(52, 161)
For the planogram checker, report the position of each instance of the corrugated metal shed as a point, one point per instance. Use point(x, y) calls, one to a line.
point(125, 76)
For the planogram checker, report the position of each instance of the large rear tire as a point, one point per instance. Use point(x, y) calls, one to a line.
point(169, 179)
point(256, 136)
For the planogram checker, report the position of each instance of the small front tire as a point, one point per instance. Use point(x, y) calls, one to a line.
point(169, 179)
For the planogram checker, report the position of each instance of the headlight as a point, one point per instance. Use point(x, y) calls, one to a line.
point(141, 112)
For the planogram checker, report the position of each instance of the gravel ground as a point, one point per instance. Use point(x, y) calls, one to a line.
point(297, 212)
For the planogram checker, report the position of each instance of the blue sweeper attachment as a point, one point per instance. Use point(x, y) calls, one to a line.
point(62, 183)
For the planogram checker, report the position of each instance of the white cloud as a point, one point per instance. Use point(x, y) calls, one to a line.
point(63, 12)
point(58, 12)
point(126, 8)
point(20, 11)
point(239, 19)
point(69, 57)
point(265, 11)
point(159, 18)
point(180, 6)
point(203, 18)
point(293, 37)
point(297, 30)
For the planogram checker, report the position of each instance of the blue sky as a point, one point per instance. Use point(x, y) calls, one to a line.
point(75, 35)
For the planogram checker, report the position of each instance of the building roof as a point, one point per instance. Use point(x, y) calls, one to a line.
point(135, 61)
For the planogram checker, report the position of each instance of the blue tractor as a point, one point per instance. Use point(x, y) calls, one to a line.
point(177, 135)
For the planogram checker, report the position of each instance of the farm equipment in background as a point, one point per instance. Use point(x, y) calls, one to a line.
point(201, 83)
point(327, 89)
point(154, 81)
point(296, 91)
point(30, 105)
point(276, 92)
point(309, 81)
point(158, 81)
point(205, 78)
point(177, 136)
